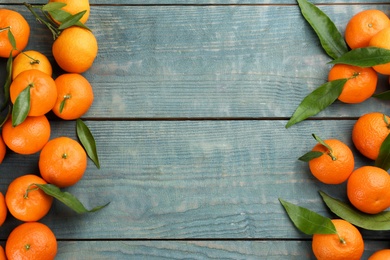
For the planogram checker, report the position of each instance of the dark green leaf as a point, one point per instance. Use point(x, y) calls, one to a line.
point(87, 140)
point(380, 221)
point(21, 107)
point(364, 57)
point(384, 95)
point(8, 81)
point(383, 160)
point(11, 39)
point(318, 139)
point(62, 16)
point(308, 221)
point(67, 198)
point(331, 39)
point(53, 6)
point(307, 157)
point(62, 104)
point(71, 20)
point(317, 101)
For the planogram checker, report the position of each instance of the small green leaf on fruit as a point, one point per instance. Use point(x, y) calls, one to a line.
point(307, 221)
point(11, 39)
point(88, 141)
point(383, 160)
point(332, 41)
point(307, 157)
point(67, 198)
point(71, 20)
point(21, 107)
point(53, 6)
point(318, 100)
point(380, 221)
point(364, 57)
point(63, 17)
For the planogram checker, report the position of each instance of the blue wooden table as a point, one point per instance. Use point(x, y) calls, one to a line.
point(191, 100)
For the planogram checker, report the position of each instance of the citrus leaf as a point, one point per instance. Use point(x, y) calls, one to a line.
point(331, 39)
point(62, 104)
point(364, 57)
point(52, 6)
point(21, 106)
point(383, 160)
point(11, 39)
point(384, 95)
point(307, 221)
point(318, 139)
point(318, 100)
point(307, 157)
point(62, 17)
point(380, 221)
point(87, 140)
point(71, 20)
point(67, 198)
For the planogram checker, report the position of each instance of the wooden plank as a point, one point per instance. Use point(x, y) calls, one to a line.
point(191, 179)
point(206, 61)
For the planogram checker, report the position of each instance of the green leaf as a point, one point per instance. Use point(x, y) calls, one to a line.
point(67, 198)
point(21, 107)
point(62, 105)
point(383, 160)
point(364, 57)
point(383, 96)
point(88, 141)
point(11, 39)
point(62, 16)
point(307, 157)
point(71, 20)
point(52, 6)
point(308, 221)
point(331, 39)
point(317, 101)
point(380, 221)
point(318, 139)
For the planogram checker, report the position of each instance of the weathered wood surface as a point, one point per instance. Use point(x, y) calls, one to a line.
point(191, 99)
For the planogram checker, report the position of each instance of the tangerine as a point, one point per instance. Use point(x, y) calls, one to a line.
point(361, 82)
point(75, 6)
point(74, 96)
point(25, 201)
point(62, 162)
point(346, 244)
point(333, 166)
point(29, 137)
point(3, 149)
point(43, 90)
point(368, 189)
point(75, 49)
point(363, 26)
point(3, 209)
point(369, 132)
point(2, 254)
point(28, 60)
point(381, 40)
point(20, 29)
point(383, 254)
point(31, 240)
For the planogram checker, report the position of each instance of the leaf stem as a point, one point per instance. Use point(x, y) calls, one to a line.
point(29, 189)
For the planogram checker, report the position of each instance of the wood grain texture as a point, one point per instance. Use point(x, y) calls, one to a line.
point(207, 61)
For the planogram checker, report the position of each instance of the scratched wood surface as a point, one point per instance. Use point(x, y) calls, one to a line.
point(191, 99)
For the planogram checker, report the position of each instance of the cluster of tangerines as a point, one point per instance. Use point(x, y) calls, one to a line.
point(331, 161)
point(33, 93)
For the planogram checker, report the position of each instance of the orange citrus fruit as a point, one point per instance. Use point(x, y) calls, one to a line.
point(2, 254)
point(75, 49)
point(383, 254)
point(74, 96)
point(31, 240)
point(346, 244)
point(62, 162)
point(29, 137)
point(368, 189)
point(3, 149)
point(363, 26)
point(3, 209)
point(361, 82)
point(369, 132)
point(28, 60)
point(43, 90)
point(20, 30)
point(382, 40)
point(25, 201)
point(75, 6)
point(335, 166)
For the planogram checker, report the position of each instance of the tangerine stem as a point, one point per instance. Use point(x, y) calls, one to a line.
point(28, 190)
point(33, 61)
